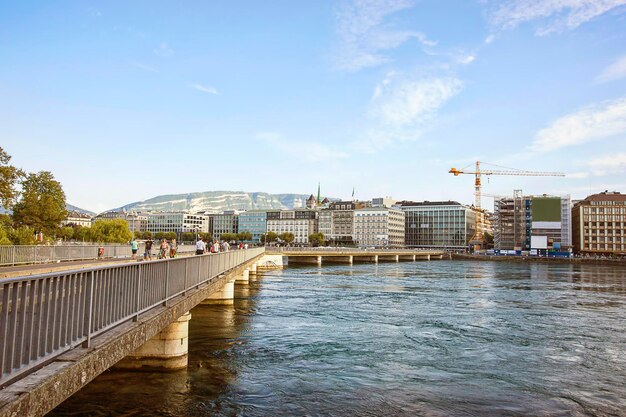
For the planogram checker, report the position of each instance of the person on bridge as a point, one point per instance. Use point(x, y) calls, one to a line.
point(173, 248)
point(164, 249)
point(134, 246)
point(200, 247)
point(148, 253)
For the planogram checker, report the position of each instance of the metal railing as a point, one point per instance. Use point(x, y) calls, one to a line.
point(346, 249)
point(35, 254)
point(43, 316)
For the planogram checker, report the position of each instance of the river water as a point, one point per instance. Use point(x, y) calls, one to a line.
point(439, 338)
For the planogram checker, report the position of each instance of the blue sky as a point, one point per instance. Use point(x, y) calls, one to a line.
point(123, 101)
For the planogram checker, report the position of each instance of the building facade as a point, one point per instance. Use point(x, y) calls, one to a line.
point(438, 225)
point(137, 222)
point(599, 224)
point(226, 222)
point(177, 222)
point(532, 222)
point(76, 218)
point(254, 222)
point(336, 222)
point(379, 227)
point(300, 222)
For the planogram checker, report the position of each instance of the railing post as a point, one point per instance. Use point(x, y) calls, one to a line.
point(13, 257)
point(167, 282)
point(34, 254)
point(138, 298)
point(89, 310)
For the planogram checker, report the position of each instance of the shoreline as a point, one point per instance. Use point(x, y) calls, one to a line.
point(529, 259)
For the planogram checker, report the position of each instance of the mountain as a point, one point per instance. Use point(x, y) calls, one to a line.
point(218, 201)
point(70, 207)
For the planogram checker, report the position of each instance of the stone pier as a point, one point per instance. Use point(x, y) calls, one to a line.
point(167, 351)
point(339, 259)
point(244, 278)
point(225, 296)
point(305, 260)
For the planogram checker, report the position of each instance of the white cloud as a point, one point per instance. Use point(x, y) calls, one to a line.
point(558, 14)
point(592, 123)
point(412, 102)
point(204, 88)
point(489, 39)
point(164, 50)
point(466, 59)
point(364, 36)
point(613, 72)
point(609, 164)
point(310, 151)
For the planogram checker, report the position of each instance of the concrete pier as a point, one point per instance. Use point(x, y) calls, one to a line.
point(253, 268)
point(225, 296)
point(388, 258)
point(306, 260)
point(365, 259)
point(339, 259)
point(244, 278)
point(167, 351)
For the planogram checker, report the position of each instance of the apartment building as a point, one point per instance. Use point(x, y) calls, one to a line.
point(300, 222)
point(177, 222)
point(379, 227)
point(599, 224)
point(225, 222)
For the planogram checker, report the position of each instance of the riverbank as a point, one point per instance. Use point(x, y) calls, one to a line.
point(535, 259)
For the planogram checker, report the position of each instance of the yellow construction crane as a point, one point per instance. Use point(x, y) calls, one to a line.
point(478, 235)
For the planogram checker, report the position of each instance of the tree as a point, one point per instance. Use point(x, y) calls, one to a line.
point(159, 235)
point(4, 237)
point(170, 235)
point(42, 204)
point(206, 236)
point(488, 240)
point(23, 235)
point(147, 235)
point(288, 237)
point(110, 231)
point(316, 239)
point(81, 233)
point(66, 233)
point(227, 237)
point(244, 236)
point(187, 236)
point(269, 237)
point(9, 177)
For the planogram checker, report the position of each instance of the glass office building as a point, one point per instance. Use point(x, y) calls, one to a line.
point(254, 222)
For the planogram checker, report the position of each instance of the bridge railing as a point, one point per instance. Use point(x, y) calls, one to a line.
point(34, 254)
point(42, 316)
point(339, 250)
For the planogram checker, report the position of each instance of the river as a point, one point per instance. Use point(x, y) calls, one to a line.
point(439, 338)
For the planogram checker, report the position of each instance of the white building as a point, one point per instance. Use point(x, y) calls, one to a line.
point(379, 227)
point(78, 219)
point(177, 222)
point(301, 222)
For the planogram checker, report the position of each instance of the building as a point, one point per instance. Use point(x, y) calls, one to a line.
point(300, 222)
point(532, 222)
point(336, 222)
point(254, 222)
point(226, 222)
point(379, 227)
point(136, 222)
point(438, 224)
point(177, 222)
point(383, 202)
point(76, 218)
point(599, 224)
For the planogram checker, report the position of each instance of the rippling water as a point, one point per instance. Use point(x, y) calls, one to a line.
point(441, 338)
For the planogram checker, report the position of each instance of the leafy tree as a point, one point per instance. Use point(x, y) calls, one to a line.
point(110, 231)
point(244, 236)
point(269, 237)
point(5, 221)
point(488, 240)
point(288, 237)
point(137, 234)
point(23, 235)
point(206, 236)
point(9, 177)
point(170, 235)
point(159, 235)
point(4, 236)
point(42, 204)
point(316, 239)
point(187, 236)
point(228, 236)
point(66, 233)
point(147, 235)
point(81, 233)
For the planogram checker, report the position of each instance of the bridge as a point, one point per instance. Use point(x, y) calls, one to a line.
point(60, 330)
point(320, 256)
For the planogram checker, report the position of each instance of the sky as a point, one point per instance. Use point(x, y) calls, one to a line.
point(124, 101)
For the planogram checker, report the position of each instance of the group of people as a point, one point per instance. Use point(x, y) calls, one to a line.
point(166, 249)
point(215, 247)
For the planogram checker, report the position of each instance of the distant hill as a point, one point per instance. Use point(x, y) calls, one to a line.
point(218, 201)
point(70, 207)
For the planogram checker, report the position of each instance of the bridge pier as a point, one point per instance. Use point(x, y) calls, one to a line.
point(167, 351)
point(423, 257)
point(225, 296)
point(268, 262)
point(407, 258)
point(366, 259)
point(388, 258)
point(244, 278)
point(349, 259)
point(305, 260)
point(253, 269)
